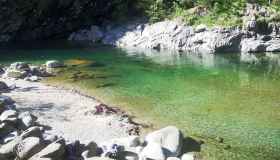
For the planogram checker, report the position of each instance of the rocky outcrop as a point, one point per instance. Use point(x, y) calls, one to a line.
point(256, 35)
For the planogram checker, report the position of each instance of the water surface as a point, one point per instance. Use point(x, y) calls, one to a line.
point(233, 96)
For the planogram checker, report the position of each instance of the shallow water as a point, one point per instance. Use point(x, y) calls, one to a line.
point(233, 96)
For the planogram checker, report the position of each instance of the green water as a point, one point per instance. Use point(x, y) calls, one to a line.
point(228, 95)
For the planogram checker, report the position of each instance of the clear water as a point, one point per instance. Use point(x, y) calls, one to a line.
point(233, 96)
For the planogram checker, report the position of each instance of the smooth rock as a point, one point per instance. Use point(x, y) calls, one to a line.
point(54, 151)
point(28, 147)
point(54, 64)
point(153, 151)
point(12, 73)
point(169, 138)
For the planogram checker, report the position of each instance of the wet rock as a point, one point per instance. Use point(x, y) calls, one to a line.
point(28, 147)
point(54, 64)
point(169, 138)
point(27, 119)
point(9, 116)
point(153, 151)
point(54, 151)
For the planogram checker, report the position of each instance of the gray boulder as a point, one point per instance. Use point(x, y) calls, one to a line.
point(12, 73)
point(54, 151)
point(252, 45)
point(11, 136)
point(169, 138)
point(28, 147)
point(54, 64)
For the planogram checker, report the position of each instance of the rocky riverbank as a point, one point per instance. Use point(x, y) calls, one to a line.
point(38, 121)
point(254, 36)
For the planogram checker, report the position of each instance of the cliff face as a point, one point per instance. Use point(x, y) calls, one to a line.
point(49, 19)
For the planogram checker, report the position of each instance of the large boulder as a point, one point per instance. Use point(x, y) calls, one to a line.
point(176, 36)
point(28, 147)
point(169, 138)
point(54, 151)
point(54, 64)
point(12, 73)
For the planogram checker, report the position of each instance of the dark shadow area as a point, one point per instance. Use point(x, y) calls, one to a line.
point(97, 64)
point(191, 145)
